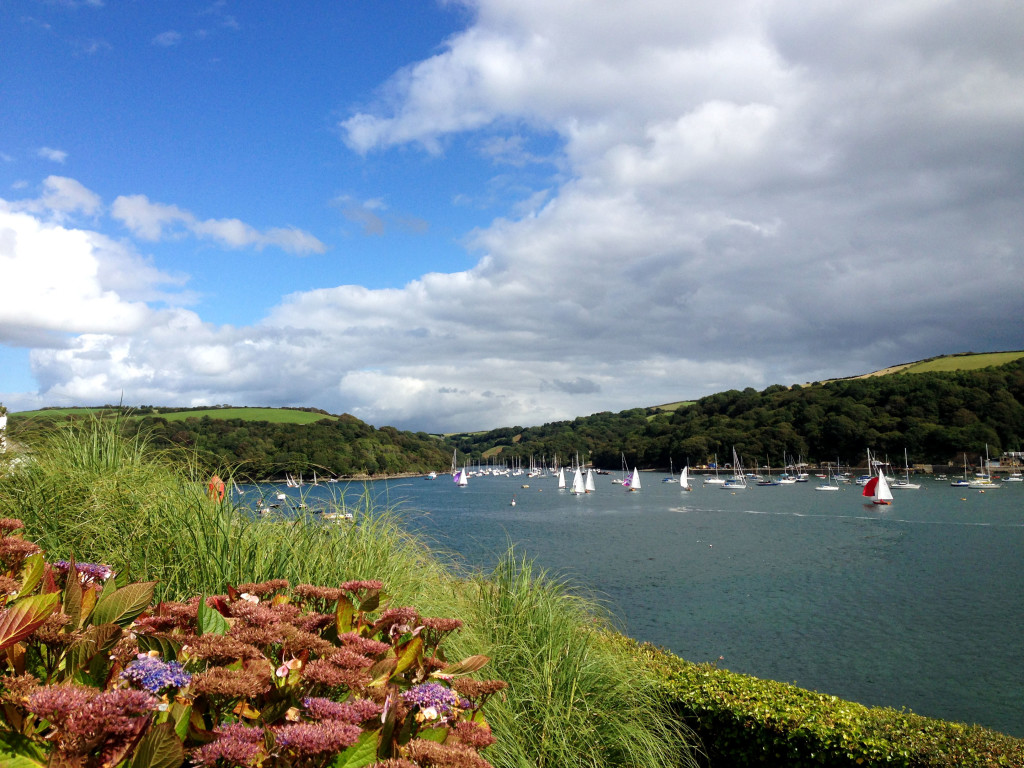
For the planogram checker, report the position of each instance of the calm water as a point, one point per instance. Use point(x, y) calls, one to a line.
point(917, 605)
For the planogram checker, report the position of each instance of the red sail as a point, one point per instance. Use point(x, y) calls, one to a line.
point(869, 487)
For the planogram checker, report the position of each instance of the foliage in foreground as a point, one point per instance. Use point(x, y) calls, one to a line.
point(95, 676)
point(90, 493)
point(747, 721)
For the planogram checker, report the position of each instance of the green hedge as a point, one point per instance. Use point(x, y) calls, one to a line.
point(745, 721)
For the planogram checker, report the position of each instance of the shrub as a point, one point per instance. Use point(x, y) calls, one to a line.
point(743, 720)
point(94, 675)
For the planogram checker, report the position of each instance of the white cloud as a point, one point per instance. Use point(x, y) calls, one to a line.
point(81, 282)
point(167, 39)
point(151, 221)
point(56, 155)
point(749, 193)
point(61, 197)
point(146, 219)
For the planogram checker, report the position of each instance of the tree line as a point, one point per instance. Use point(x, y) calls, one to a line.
point(936, 417)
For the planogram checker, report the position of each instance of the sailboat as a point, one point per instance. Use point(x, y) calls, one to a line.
point(577, 482)
point(561, 478)
point(905, 484)
point(461, 477)
point(965, 482)
point(877, 488)
point(671, 477)
point(768, 479)
point(684, 480)
point(716, 480)
point(589, 486)
point(827, 486)
point(738, 481)
point(633, 484)
point(983, 479)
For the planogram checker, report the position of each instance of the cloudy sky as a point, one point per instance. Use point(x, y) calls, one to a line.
point(477, 213)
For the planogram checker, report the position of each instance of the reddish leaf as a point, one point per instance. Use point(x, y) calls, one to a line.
point(23, 618)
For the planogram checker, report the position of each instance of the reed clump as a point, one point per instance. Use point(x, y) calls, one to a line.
point(575, 696)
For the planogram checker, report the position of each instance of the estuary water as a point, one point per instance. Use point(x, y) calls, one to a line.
point(917, 605)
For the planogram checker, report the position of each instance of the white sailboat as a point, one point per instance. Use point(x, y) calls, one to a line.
point(684, 480)
point(827, 486)
point(578, 485)
point(671, 476)
point(561, 478)
point(964, 482)
point(589, 486)
point(877, 488)
point(716, 480)
point(461, 477)
point(905, 484)
point(738, 481)
point(633, 484)
point(983, 480)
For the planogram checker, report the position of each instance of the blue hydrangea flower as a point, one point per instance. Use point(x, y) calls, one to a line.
point(433, 696)
point(153, 674)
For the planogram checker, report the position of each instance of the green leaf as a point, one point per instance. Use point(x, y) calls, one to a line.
point(167, 648)
point(409, 656)
point(343, 614)
point(382, 670)
point(17, 751)
point(465, 667)
point(124, 605)
point(109, 587)
point(94, 646)
point(209, 619)
point(23, 618)
point(182, 714)
point(73, 598)
point(371, 602)
point(160, 748)
point(362, 753)
point(433, 734)
point(32, 573)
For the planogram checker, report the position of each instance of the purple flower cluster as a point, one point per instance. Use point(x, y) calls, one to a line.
point(87, 572)
point(433, 696)
point(153, 675)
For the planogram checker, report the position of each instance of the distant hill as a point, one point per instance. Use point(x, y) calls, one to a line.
point(264, 443)
point(951, 405)
point(965, 361)
point(272, 415)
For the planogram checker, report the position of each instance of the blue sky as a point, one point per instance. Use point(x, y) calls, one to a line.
point(462, 215)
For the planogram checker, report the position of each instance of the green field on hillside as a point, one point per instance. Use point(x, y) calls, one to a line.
point(272, 415)
point(967, 362)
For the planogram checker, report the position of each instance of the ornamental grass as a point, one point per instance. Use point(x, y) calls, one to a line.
point(576, 696)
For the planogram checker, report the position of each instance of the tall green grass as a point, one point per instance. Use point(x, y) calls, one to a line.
point(577, 697)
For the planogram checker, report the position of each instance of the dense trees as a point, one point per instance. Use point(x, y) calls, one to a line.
point(935, 416)
point(331, 446)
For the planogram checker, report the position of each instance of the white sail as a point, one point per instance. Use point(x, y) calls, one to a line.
point(577, 482)
point(561, 479)
point(882, 492)
point(684, 479)
point(634, 480)
point(590, 485)
point(463, 477)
